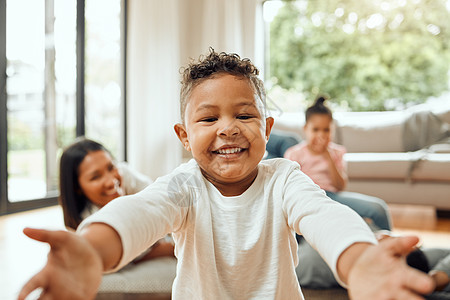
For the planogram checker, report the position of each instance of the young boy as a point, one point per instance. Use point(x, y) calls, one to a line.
point(233, 217)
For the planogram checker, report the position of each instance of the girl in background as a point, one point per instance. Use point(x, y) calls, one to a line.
point(322, 160)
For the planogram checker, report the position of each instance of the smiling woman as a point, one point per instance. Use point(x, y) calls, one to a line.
point(90, 179)
point(99, 178)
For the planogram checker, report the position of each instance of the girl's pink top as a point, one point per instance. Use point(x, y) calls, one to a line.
point(316, 165)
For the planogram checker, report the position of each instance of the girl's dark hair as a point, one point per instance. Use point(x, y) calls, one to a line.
point(71, 198)
point(417, 259)
point(318, 107)
point(218, 63)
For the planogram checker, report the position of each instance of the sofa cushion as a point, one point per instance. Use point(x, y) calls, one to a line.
point(152, 276)
point(435, 166)
point(433, 193)
point(441, 146)
point(416, 166)
point(279, 142)
point(422, 129)
point(290, 123)
point(370, 131)
point(396, 165)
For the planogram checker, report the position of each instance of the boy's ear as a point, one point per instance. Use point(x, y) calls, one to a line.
point(269, 125)
point(181, 132)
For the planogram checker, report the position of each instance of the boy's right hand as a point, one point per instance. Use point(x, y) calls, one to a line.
point(73, 269)
point(381, 272)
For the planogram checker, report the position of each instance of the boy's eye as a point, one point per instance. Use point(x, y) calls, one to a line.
point(244, 117)
point(208, 120)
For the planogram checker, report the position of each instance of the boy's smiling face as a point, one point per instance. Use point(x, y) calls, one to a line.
point(226, 131)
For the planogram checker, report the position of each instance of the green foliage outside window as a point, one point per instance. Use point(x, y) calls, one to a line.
point(365, 54)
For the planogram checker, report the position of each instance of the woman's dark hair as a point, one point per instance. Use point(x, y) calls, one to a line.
point(318, 107)
point(71, 198)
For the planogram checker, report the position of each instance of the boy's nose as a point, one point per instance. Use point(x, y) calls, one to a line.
point(229, 129)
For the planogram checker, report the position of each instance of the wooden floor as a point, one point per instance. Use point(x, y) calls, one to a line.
point(422, 222)
point(21, 257)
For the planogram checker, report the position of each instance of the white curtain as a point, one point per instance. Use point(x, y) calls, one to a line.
point(162, 37)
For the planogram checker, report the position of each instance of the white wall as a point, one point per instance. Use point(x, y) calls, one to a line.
point(162, 37)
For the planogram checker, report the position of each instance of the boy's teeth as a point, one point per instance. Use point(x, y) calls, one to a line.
point(229, 150)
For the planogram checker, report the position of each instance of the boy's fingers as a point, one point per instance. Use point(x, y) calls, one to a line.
point(400, 245)
point(407, 295)
point(414, 280)
point(34, 283)
point(419, 282)
point(54, 238)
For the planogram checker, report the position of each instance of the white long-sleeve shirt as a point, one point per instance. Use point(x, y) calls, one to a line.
point(240, 247)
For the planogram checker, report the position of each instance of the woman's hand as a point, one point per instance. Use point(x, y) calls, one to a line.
point(73, 269)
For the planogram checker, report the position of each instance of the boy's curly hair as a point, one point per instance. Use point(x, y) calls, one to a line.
point(215, 63)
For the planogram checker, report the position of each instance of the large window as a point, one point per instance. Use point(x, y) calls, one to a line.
point(64, 66)
point(365, 54)
point(104, 72)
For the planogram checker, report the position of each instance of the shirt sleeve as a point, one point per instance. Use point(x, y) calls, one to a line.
point(444, 265)
point(142, 218)
point(328, 226)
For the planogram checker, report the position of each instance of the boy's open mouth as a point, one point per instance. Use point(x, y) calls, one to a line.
point(233, 150)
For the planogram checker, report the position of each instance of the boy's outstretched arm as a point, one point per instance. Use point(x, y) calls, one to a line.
point(380, 271)
point(75, 262)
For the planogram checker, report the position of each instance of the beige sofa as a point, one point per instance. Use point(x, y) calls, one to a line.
point(402, 157)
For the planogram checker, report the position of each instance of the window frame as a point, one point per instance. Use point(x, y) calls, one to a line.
point(7, 207)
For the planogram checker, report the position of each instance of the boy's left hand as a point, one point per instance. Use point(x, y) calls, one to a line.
point(73, 269)
point(381, 273)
